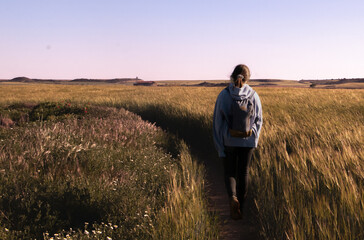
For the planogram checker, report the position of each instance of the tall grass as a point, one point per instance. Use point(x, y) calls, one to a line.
point(104, 173)
point(185, 214)
point(307, 179)
point(311, 165)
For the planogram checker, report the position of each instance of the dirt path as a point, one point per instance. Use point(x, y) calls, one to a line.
point(200, 141)
point(230, 229)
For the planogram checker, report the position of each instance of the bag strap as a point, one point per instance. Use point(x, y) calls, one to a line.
point(251, 94)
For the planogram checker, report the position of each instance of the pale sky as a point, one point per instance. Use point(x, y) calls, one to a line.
point(185, 39)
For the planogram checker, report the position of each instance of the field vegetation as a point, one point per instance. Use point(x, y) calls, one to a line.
point(307, 176)
point(72, 171)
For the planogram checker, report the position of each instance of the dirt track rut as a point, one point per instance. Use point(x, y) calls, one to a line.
point(230, 229)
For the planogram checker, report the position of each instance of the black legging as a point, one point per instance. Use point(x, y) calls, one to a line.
point(236, 169)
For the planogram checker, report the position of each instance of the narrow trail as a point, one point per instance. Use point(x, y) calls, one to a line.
point(199, 139)
point(243, 229)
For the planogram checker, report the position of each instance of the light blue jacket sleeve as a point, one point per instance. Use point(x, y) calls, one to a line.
point(258, 120)
point(219, 125)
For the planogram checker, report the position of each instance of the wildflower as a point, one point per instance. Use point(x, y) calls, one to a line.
point(108, 238)
point(87, 232)
point(99, 232)
point(6, 230)
point(115, 226)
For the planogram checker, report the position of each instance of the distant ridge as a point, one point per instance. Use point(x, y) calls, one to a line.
point(115, 80)
point(78, 80)
point(334, 81)
point(21, 79)
point(209, 84)
point(344, 83)
point(266, 80)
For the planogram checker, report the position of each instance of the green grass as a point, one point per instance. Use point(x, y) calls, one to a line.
point(95, 172)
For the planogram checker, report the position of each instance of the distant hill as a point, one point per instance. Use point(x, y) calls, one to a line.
point(334, 81)
point(21, 79)
point(337, 83)
point(209, 84)
point(350, 83)
point(345, 83)
point(115, 80)
point(129, 81)
point(267, 80)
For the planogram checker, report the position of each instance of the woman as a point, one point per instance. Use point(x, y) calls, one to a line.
point(235, 147)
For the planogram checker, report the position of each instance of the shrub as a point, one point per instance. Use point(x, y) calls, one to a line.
point(105, 166)
point(49, 110)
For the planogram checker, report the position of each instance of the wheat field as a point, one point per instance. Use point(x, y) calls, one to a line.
point(307, 176)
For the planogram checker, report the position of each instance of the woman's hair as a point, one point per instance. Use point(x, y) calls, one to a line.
point(240, 75)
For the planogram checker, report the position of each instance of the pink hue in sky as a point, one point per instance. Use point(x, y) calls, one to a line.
point(190, 39)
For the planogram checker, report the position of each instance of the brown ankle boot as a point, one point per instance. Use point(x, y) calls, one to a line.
point(235, 208)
